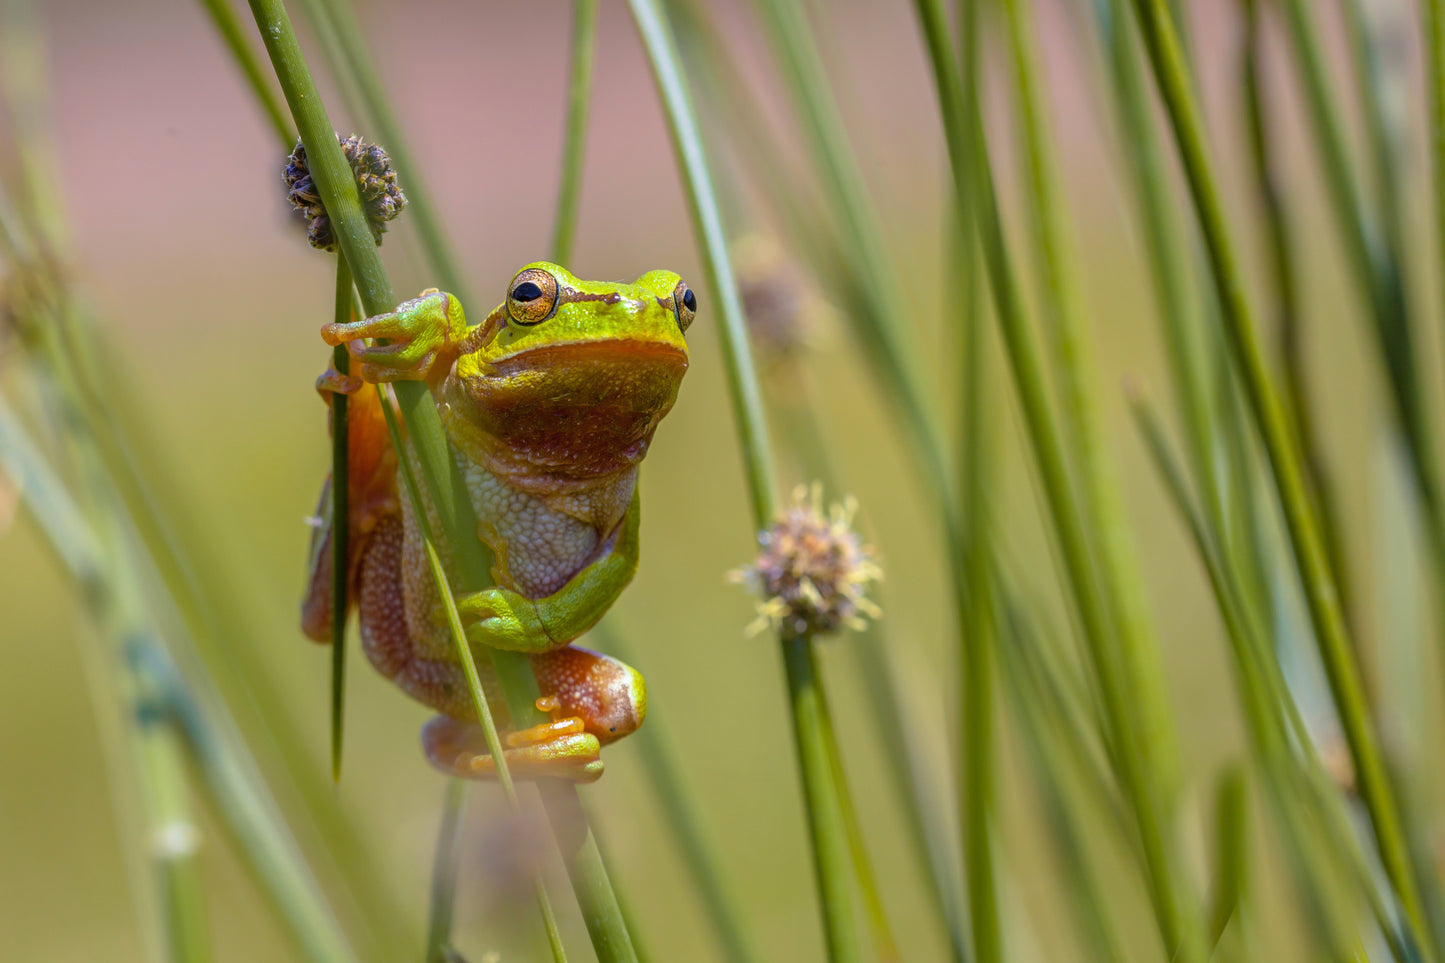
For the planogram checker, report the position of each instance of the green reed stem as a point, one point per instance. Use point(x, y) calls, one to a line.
point(684, 818)
point(885, 946)
point(574, 145)
point(469, 668)
point(1433, 12)
point(1375, 256)
point(1051, 764)
point(865, 265)
point(247, 813)
point(1331, 635)
point(1125, 595)
point(1231, 851)
point(908, 773)
point(1382, 134)
point(811, 724)
point(1178, 925)
point(445, 485)
point(1315, 843)
point(360, 67)
point(977, 792)
point(340, 524)
point(263, 844)
point(1286, 290)
point(716, 263)
point(229, 26)
point(118, 428)
point(825, 816)
point(444, 873)
point(170, 839)
point(1165, 250)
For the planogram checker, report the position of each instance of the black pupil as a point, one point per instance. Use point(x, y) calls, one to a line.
point(689, 300)
point(526, 291)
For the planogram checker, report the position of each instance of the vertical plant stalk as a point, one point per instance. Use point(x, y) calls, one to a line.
point(1231, 851)
point(469, 669)
point(977, 788)
point(229, 27)
point(574, 145)
point(685, 820)
point(1178, 924)
point(1376, 257)
point(863, 261)
point(825, 815)
point(803, 435)
point(1319, 840)
point(809, 711)
point(226, 773)
point(1331, 635)
point(443, 478)
point(444, 873)
point(885, 946)
point(1032, 706)
point(1124, 592)
point(341, 19)
point(1434, 13)
point(1286, 290)
point(687, 144)
point(340, 523)
point(170, 839)
point(1188, 349)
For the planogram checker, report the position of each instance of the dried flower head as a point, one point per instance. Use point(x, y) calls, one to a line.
point(781, 306)
point(812, 570)
point(381, 198)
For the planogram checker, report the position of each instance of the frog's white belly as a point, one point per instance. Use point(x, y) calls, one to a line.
point(543, 543)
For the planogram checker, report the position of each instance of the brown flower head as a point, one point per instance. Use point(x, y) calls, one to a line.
point(812, 571)
point(781, 305)
point(381, 198)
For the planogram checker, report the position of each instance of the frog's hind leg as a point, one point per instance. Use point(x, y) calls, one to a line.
point(593, 699)
point(558, 750)
point(607, 694)
point(372, 494)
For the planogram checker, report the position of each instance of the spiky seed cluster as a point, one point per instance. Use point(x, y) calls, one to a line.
point(780, 305)
point(381, 198)
point(812, 570)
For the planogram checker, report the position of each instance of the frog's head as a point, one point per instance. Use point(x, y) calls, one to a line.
point(575, 375)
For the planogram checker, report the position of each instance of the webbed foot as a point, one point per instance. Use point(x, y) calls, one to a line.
point(560, 749)
point(422, 337)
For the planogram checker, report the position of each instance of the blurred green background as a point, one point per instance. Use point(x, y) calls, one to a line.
point(188, 252)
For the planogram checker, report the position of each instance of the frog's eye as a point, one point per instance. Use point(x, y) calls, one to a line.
point(532, 298)
point(684, 302)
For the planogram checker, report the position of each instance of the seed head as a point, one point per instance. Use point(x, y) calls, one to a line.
point(381, 198)
point(780, 304)
point(812, 570)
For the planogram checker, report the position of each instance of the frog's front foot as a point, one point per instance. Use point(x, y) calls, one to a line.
point(560, 749)
point(423, 336)
point(502, 619)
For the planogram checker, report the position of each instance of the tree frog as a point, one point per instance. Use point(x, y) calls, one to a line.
point(551, 404)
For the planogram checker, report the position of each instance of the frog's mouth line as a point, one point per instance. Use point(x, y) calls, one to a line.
point(591, 352)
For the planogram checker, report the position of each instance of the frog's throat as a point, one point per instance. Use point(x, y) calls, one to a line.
point(554, 462)
point(568, 424)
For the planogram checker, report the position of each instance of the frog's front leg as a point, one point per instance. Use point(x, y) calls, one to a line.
point(505, 619)
point(423, 335)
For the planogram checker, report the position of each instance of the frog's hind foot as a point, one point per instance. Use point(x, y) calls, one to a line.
point(560, 749)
